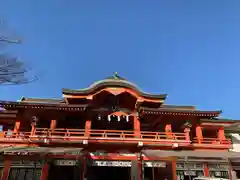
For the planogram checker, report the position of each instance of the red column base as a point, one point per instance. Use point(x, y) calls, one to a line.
point(6, 169)
point(206, 170)
point(174, 169)
point(44, 174)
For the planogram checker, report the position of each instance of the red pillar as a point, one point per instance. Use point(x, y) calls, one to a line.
point(16, 127)
point(53, 124)
point(174, 169)
point(6, 169)
point(187, 135)
point(206, 170)
point(44, 173)
point(221, 134)
point(199, 134)
point(140, 165)
point(33, 128)
point(230, 170)
point(136, 126)
point(88, 125)
point(83, 170)
point(168, 131)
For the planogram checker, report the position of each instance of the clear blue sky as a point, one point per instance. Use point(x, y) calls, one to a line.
point(186, 48)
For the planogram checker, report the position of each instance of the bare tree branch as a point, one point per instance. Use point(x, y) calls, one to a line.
point(8, 40)
point(12, 70)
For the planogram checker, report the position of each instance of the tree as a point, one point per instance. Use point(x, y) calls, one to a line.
point(12, 70)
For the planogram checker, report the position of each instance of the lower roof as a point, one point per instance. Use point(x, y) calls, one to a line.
point(199, 154)
point(49, 106)
point(157, 153)
point(39, 150)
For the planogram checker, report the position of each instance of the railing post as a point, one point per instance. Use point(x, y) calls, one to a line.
point(199, 134)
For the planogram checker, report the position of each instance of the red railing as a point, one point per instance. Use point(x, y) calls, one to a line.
point(106, 135)
point(41, 135)
point(212, 141)
point(13, 135)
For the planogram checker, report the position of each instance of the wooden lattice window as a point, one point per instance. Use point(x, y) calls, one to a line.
point(24, 174)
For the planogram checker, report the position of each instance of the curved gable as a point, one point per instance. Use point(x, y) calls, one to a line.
point(115, 85)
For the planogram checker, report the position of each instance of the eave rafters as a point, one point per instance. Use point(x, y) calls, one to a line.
point(215, 122)
point(8, 114)
point(60, 107)
point(174, 112)
point(181, 114)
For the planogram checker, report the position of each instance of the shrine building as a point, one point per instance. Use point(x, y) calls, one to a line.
point(112, 130)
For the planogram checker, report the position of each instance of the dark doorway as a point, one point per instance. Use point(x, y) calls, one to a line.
point(149, 173)
point(153, 173)
point(108, 173)
point(63, 173)
point(237, 174)
point(189, 175)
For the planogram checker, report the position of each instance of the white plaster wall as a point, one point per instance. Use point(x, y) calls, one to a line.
point(236, 142)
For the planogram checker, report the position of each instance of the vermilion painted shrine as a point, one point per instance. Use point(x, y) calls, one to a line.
point(111, 130)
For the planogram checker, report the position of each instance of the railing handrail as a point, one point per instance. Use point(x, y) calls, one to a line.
point(110, 131)
point(226, 141)
point(211, 139)
point(109, 135)
point(96, 134)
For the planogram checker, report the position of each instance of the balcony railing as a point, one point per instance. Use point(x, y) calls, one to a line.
point(212, 142)
point(97, 136)
point(145, 138)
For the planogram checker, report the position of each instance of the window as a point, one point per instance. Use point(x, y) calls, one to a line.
point(24, 174)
